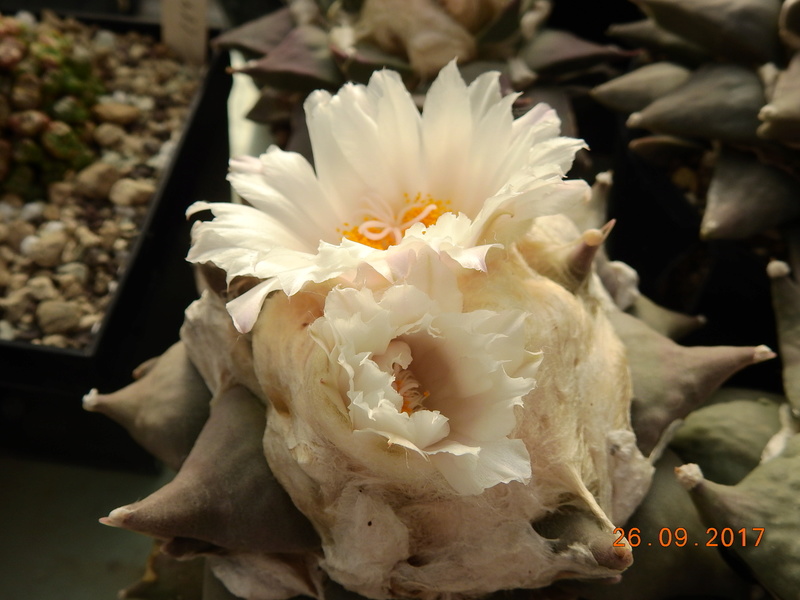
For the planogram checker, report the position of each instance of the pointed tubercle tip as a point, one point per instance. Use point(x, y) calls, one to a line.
point(116, 517)
point(689, 475)
point(90, 399)
point(634, 119)
point(777, 269)
point(708, 228)
point(762, 353)
point(596, 237)
point(604, 178)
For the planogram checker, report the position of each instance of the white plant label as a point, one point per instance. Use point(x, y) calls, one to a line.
point(184, 28)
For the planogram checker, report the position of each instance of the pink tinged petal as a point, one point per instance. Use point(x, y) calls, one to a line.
point(336, 174)
point(491, 141)
point(244, 310)
point(278, 209)
point(291, 176)
point(447, 134)
point(555, 156)
point(409, 308)
point(538, 124)
point(431, 273)
point(484, 93)
point(416, 432)
point(453, 235)
point(358, 138)
point(295, 269)
point(245, 164)
point(399, 123)
point(470, 474)
point(246, 227)
point(474, 387)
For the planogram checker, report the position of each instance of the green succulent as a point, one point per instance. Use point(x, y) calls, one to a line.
point(47, 86)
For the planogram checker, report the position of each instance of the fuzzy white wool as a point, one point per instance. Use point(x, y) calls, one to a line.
point(426, 539)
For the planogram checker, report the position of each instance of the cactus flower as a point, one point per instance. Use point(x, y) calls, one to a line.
point(393, 350)
point(387, 176)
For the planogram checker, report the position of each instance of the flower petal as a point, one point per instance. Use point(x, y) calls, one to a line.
point(497, 462)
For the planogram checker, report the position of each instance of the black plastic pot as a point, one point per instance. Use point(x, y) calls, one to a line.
point(41, 387)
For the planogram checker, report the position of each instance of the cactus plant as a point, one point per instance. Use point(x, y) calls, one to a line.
point(344, 499)
point(51, 86)
point(348, 497)
point(310, 45)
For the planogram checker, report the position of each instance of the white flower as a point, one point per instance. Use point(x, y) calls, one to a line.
point(387, 176)
point(440, 382)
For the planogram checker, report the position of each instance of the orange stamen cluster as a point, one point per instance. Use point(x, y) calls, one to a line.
point(407, 386)
point(384, 231)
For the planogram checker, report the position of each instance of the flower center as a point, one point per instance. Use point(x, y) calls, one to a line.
point(407, 386)
point(383, 226)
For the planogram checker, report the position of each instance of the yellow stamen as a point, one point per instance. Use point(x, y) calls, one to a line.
point(382, 228)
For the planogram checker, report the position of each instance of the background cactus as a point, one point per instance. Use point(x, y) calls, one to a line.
point(88, 120)
point(309, 45)
point(48, 86)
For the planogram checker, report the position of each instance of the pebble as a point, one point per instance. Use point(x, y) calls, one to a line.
point(90, 321)
point(60, 192)
point(116, 112)
point(18, 231)
point(45, 250)
point(132, 192)
point(16, 304)
point(108, 135)
point(58, 316)
point(75, 269)
point(41, 288)
point(7, 331)
point(56, 340)
point(32, 211)
point(95, 181)
point(17, 281)
point(70, 287)
point(104, 41)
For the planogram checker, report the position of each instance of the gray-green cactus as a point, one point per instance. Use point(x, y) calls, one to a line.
point(757, 519)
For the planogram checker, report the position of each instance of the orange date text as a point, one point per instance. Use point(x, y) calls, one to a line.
point(678, 536)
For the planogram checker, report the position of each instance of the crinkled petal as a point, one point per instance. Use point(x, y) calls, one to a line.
point(244, 309)
point(471, 472)
point(416, 432)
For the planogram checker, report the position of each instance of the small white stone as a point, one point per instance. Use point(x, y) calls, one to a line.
point(131, 192)
point(32, 211)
